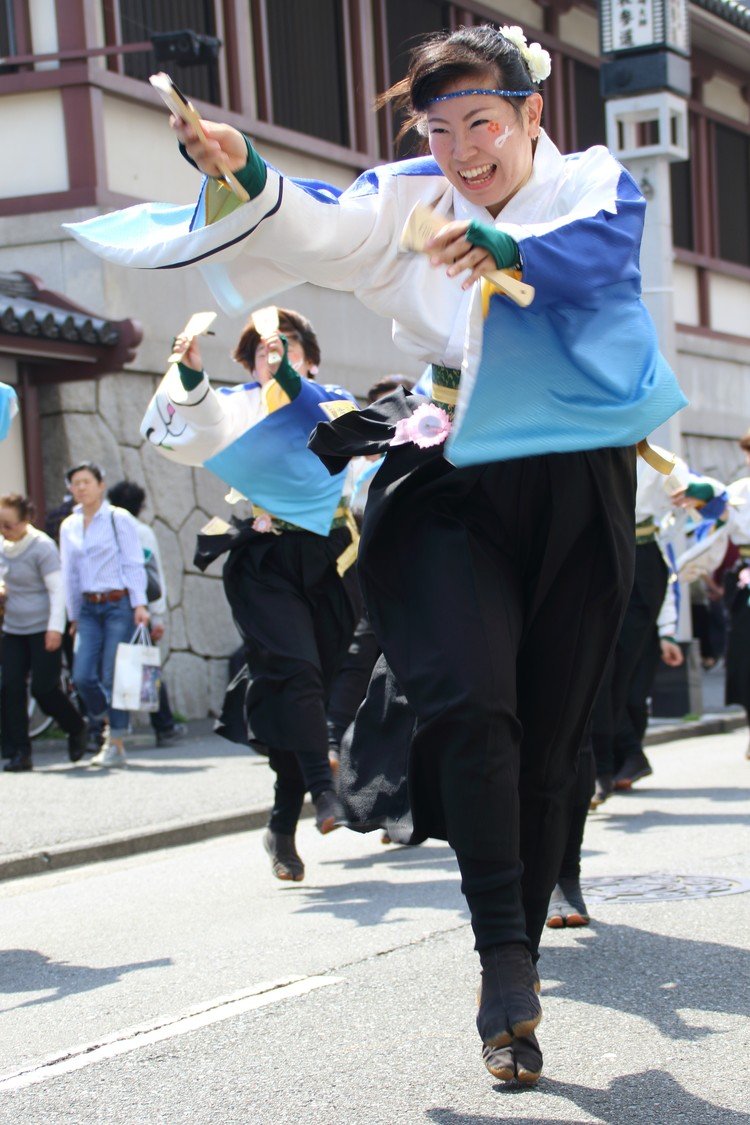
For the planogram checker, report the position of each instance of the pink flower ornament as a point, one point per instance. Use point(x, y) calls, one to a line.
point(263, 523)
point(428, 426)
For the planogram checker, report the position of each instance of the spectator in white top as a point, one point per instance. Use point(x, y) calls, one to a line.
point(130, 496)
point(105, 594)
point(33, 625)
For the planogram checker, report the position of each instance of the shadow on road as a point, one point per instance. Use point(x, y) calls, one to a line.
point(652, 818)
point(379, 902)
point(653, 1096)
point(430, 856)
point(651, 976)
point(27, 970)
point(717, 794)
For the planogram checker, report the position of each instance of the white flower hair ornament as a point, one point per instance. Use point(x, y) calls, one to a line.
point(534, 55)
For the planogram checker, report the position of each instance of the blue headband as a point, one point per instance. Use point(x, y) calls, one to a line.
point(467, 93)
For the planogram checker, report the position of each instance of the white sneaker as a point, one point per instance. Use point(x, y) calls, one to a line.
point(111, 756)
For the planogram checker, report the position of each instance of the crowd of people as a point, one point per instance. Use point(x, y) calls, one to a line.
point(495, 645)
point(76, 601)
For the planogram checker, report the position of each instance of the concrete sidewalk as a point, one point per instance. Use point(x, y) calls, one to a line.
point(61, 815)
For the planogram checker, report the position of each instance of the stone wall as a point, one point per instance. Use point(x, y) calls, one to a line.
point(714, 373)
point(99, 421)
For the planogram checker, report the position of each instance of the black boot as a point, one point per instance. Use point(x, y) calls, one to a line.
point(19, 763)
point(633, 769)
point(329, 812)
point(566, 906)
point(78, 743)
point(602, 790)
point(522, 1059)
point(508, 1006)
point(286, 863)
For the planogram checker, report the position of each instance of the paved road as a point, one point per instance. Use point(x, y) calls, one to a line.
point(350, 998)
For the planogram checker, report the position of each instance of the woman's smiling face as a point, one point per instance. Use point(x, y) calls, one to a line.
point(482, 144)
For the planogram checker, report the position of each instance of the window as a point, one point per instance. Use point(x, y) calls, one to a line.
point(407, 24)
point(732, 179)
point(590, 122)
point(8, 44)
point(307, 51)
point(682, 205)
point(139, 19)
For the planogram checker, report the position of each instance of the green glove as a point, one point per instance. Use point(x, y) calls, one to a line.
point(288, 379)
point(254, 175)
point(189, 377)
point(501, 246)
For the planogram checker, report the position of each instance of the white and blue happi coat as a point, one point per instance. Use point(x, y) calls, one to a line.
point(578, 369)
point(255, 443)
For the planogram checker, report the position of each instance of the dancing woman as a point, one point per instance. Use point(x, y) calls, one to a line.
point(291, 590)
point(495, 565)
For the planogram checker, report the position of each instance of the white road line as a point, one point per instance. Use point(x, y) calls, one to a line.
point(133, 1038)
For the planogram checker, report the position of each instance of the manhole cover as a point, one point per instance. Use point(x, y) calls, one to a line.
point(659, 888)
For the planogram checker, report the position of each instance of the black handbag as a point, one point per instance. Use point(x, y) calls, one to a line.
point(153, 581)
point(153, 584)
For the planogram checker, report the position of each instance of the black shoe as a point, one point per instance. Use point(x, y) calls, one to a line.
point(78, 743)
point(19, 763)
point(522, 1059)
point(566, 906)
point(98, 737)
point(634, 768)
point(174, 734)
point(508, 1006)
point(286, 864)
point(602, 790)
point(329, 812)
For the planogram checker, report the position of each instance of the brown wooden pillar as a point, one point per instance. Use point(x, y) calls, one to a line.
point(32, 439)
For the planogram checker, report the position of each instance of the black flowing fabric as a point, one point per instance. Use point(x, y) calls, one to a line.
point(295, 615)
point(738, 640)
point(620, 715)
point(496, 593)
point(375, 760)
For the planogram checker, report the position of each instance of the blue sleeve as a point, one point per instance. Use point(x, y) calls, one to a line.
point(574, 262)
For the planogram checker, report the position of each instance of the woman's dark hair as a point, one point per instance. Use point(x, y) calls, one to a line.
point(469, 52)
point(128, 495)
point(89, 466)
point(24, 507)
point(290, 323)
point(387, 384)
point(744, 442)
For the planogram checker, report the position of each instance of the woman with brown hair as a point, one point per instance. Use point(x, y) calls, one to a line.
point(291, 589)
point(497, 548)
point(33, 627)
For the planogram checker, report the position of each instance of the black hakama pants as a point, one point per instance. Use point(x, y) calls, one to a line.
point(620, 714)
point(736, 599)
point(496, 593)
point(295, 615)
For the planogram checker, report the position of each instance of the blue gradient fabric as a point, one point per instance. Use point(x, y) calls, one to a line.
point(271, 465)
point(8, 408)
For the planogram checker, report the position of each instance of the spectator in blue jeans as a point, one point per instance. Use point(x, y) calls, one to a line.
point(130, 496)
point(105, 594)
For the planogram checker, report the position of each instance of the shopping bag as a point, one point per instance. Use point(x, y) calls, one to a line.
point(137, 674)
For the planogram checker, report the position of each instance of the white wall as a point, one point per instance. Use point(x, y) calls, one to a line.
point(35, 159)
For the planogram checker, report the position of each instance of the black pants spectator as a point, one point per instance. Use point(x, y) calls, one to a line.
point(24, 654)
